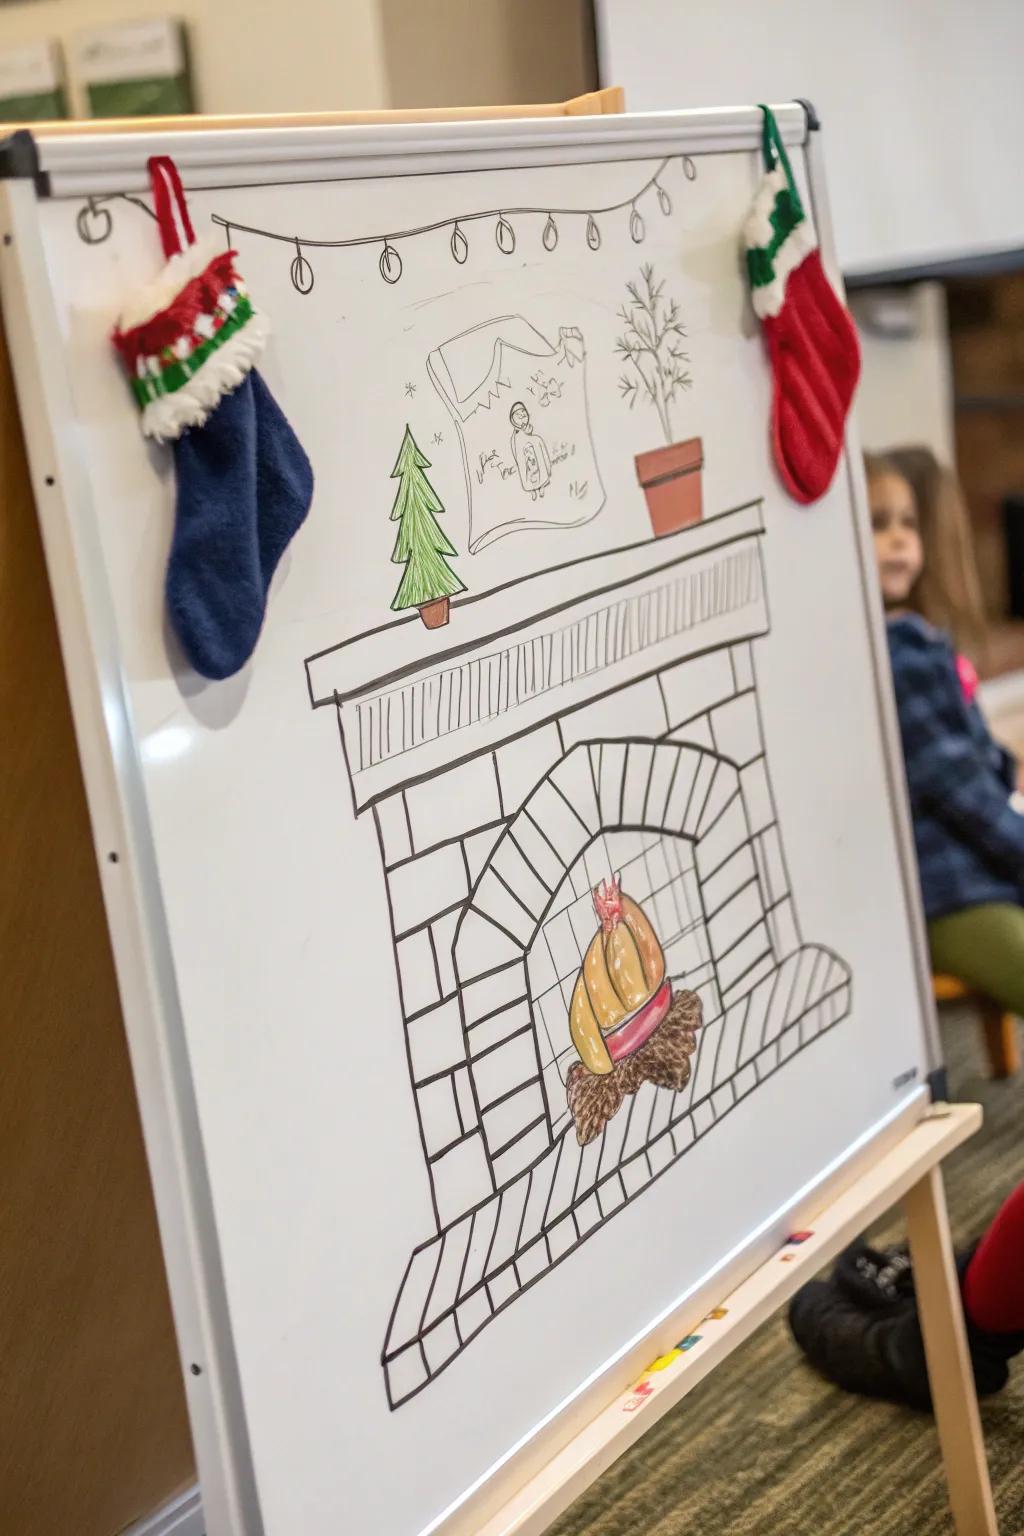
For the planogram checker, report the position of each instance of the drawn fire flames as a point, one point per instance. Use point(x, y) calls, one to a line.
point(624, 1021)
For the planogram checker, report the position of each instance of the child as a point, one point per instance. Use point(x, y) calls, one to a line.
point(860, 1328)
point(948, 592)
point(969, 837)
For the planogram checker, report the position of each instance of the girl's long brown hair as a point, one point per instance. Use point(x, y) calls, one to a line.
point(947, 593)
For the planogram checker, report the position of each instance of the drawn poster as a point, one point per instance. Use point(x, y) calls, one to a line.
point(519, 403)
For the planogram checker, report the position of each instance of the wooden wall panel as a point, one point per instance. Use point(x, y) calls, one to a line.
point(986, 318)
point(93, 1428)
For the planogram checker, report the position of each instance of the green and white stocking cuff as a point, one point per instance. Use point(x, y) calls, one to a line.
point(188, 338)
point(778, 236)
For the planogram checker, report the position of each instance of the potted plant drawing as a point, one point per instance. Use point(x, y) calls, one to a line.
point(428, 581)
point(656, 372)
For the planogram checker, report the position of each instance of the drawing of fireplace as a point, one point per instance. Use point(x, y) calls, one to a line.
point(599, 719)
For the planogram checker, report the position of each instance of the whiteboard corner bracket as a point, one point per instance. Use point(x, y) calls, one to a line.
point(813, 120)
point(19, 160)
point(938, 1085)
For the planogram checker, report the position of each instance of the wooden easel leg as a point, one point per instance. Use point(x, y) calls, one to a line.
point(949, 1365)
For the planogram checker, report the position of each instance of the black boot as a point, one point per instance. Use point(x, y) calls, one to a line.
point(874, 1349)
point(861, 1329)
point(877, 1278)
point(882, 1278)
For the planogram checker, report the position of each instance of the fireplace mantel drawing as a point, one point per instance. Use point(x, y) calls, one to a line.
point(592, 721)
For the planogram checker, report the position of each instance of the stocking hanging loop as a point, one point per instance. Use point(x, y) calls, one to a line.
point(767, 125)
point(171, 209)
point(774, 151)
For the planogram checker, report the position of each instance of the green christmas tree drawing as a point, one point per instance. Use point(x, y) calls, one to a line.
point(420, 546)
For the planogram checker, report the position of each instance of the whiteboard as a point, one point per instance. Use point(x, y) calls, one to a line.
point(351, 889)
point(920, 101)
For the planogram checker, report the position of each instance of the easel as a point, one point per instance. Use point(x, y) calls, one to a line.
point(910, 1172)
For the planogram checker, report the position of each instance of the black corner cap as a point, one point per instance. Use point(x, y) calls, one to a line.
point(813, 120)
point(19, 160)
point(938, 1085)
point(19, 156)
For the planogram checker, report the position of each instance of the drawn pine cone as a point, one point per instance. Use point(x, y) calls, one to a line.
point(630, 1073)
point(687, 1011)
point(592, 1100)
point(664, 1060)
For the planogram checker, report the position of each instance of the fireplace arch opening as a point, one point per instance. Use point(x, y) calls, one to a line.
point(667, 817)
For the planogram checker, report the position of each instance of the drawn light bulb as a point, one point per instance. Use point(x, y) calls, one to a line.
point(390, 263)
point(302, 272)
point(664, 201)
point(550, 235)
point(689, 168)
point(593, 233)
point(637, 227)
point(460, 245)
point(93, 223)
point(505, 235)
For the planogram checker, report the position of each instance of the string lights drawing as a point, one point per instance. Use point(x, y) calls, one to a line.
point(302, 272)
point(94, 224)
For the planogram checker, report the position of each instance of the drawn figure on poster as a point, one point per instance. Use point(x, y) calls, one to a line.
point(530, 452)
point(504, 371)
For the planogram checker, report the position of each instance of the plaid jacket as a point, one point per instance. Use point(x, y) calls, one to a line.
point(970, 842)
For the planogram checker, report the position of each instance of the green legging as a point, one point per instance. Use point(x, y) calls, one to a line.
point(983, 946)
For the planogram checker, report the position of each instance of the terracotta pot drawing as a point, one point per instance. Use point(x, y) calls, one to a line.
point(435, 614)
point(671, 481)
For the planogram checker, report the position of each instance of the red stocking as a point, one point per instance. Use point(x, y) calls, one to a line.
point(811, 340)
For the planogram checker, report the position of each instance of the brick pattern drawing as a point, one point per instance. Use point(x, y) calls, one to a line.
point(619, 735)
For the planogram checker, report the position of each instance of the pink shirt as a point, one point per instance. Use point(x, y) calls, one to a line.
point(968, 676)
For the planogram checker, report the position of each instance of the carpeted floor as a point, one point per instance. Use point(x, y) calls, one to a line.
point(765, 1446)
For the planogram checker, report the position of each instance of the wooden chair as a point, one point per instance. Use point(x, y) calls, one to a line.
point(999, 1028)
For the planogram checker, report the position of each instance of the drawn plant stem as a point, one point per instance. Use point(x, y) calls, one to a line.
point(651, 348)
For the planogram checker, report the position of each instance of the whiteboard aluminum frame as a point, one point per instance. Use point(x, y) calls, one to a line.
point(874, 618)
point(95, 164)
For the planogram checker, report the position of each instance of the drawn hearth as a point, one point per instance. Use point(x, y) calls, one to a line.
point(570, 789)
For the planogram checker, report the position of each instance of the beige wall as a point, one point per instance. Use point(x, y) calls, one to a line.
point(321, 55)
point(453, 53)
point(247, 55)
